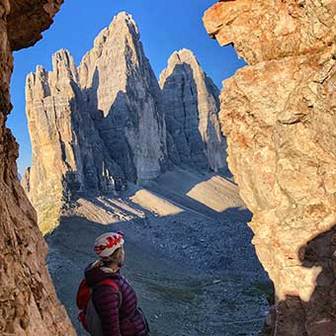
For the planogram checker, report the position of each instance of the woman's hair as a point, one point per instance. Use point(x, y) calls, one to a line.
point(114, 258)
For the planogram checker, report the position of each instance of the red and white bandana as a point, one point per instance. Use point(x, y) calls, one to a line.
point(107, 243)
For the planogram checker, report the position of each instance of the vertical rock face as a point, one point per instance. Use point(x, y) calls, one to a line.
point(95, 127)
point(191, 104)
point(28, 303)
point(278, 114)
point(68, 154)
point(25, 180)
point(123, 92)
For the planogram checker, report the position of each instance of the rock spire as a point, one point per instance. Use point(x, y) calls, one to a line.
point(191, 104)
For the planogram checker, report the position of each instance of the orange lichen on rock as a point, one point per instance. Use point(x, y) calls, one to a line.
point(283, 105)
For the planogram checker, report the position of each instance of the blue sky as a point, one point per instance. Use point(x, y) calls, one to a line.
point(165, 26)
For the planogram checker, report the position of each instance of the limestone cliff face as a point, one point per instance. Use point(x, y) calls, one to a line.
point(25, 180)
point(278, 114)
point(191, 104)
point(96, 126)
point(28, 302)
point(68, 154)
point(123, 93)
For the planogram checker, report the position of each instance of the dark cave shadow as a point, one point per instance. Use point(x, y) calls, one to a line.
point(317, 317)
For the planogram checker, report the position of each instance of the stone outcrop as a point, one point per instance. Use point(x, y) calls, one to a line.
point(123, 93)
point(25, 180)
point(191, 104)
point(68, 154)
point(278, 114)
point(28, 302)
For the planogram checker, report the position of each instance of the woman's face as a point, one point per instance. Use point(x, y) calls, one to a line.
point(122, 255)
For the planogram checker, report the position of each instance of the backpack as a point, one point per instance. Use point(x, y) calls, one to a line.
point(88, 315)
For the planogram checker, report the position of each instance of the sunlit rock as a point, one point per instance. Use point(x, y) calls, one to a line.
point(121, 90)
point(96, 127)
point(28, 302)
point(278, 114)
point(102, 124)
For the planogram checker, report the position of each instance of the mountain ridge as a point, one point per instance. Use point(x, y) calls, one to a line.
point(97, 126)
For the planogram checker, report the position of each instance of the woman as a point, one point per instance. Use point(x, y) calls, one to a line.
point(115, 302)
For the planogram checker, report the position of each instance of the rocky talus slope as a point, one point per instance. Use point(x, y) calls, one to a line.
point(279, 114)
point(190, 101)
point(28, 303)
point(100, 125)
point(188, 254)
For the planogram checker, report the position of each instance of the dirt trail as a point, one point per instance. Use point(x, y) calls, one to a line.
point(195, 271)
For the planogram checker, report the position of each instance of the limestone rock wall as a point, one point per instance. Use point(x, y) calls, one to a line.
point(28, 302)
point(95, 127)
point(123, 93)
point(68, 154)
point(99, 125)
point(191, 104)
point(278, 114)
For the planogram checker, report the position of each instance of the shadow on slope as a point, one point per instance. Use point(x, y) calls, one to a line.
point(193, 276)
point(206, 193)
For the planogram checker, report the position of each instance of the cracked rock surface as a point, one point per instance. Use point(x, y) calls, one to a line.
point(278, 114)
point(191, 105)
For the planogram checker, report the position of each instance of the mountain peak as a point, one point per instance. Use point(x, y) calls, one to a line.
point(190, 100)
point(63, 64)
point(124, 22)
point(183, 56)
point(62, 57)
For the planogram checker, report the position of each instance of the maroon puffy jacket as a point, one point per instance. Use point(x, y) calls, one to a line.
point(118, 311)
